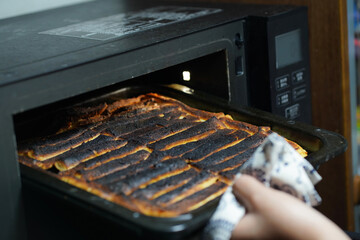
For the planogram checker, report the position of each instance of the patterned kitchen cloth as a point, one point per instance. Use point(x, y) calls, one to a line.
point(277, 164)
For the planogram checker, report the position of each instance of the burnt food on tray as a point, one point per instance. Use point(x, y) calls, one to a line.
point(151, 154)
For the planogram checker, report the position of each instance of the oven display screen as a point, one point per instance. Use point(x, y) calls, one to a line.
point(288, 48)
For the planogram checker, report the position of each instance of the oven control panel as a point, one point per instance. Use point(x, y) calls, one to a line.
point(289, 91)
point(278, 63)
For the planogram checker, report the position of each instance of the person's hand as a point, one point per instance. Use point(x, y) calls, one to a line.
point(272, 214)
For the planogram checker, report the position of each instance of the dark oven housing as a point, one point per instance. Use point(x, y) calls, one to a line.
point(42, 72)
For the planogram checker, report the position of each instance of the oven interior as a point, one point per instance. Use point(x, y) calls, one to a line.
point(207, 74)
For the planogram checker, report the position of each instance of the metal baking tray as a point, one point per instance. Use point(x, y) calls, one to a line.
point(83, 213)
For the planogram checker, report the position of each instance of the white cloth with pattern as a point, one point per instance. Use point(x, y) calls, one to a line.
point(277, 165)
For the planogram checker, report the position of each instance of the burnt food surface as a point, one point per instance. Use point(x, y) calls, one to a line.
point(151, 153)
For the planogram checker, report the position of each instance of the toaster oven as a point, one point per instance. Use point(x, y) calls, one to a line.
point(218, 57)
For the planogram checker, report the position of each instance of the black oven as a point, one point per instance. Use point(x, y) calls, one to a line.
point(202, 54)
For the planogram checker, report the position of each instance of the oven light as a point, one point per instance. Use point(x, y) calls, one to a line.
point(186, 75)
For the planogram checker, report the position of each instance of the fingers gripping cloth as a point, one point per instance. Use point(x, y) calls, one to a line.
point(277, 165)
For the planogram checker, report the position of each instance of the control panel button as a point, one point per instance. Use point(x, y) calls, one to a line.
point(299, 92)
point(282, 82)
point(298, 76)
point(293, 111)
point(283, 99)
